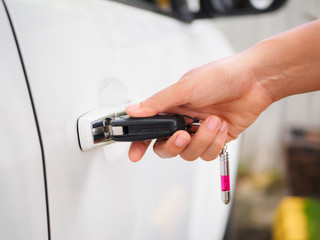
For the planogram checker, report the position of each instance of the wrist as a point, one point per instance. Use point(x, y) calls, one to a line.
point(269, 68)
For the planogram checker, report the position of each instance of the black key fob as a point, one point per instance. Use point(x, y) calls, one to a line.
point(129, 129)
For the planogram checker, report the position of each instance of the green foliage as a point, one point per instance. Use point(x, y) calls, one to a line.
point(312, 209)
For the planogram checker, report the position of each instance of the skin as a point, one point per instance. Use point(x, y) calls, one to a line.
point(228, 95)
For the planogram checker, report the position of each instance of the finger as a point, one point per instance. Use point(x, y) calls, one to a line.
point(215, 147)
point(173, 146)
point(137, 150)
point(174, 95)
point(202, 138)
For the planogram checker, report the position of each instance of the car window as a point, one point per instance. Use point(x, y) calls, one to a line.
point(179, 9)
point(189, 10)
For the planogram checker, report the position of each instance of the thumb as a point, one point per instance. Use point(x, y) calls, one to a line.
point(172, 96)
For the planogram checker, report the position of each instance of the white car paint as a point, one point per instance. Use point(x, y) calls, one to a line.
point(22, 193)
point(82, 55)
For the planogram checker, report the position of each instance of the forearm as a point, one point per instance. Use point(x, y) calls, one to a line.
point(289, 63)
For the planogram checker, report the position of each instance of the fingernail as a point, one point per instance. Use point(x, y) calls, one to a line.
point(134, 107)
point(223, 126)
point(213, 123)
point(181, 141)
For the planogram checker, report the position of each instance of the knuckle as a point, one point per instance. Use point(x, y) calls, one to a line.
point(212, 152)
point(171, 154)
point(220, 144)
point(190, 74)
point(158, 151)
point(204, 138)
point(187, 157)
point(153, 100)
point(152, 103)
point(185, 77)
point(215, 152)
point(207, 157)
point(163, 152)
point(160, 154)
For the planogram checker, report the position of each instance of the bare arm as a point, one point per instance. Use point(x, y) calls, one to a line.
point(289, 63)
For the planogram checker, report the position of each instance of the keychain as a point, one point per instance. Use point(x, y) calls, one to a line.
point(224, 175)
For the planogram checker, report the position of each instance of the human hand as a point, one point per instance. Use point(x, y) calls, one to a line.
point(228, 95)
point(225, 95)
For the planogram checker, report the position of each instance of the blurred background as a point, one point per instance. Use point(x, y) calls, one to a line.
point(280, 152)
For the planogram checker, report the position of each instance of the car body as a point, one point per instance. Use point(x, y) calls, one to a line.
point(62, 59)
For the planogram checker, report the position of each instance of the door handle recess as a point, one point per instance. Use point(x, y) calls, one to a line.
point(93, 128)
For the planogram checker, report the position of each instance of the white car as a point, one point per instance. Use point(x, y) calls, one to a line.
point(61, 59)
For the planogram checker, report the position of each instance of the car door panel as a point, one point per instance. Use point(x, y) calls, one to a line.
point(23, 212)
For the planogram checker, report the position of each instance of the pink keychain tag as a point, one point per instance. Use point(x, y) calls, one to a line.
point(224, 173)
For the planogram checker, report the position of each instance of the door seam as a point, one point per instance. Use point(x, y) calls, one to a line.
point(35, 118)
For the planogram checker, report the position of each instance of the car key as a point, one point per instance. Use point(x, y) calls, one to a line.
point(130, 129)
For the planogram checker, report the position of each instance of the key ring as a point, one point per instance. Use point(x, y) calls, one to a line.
point(195, 122)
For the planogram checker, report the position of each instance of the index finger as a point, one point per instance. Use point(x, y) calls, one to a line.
point(172, 96)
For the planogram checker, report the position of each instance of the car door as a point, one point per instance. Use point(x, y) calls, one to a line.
point(23, 210)
point(84, 55)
